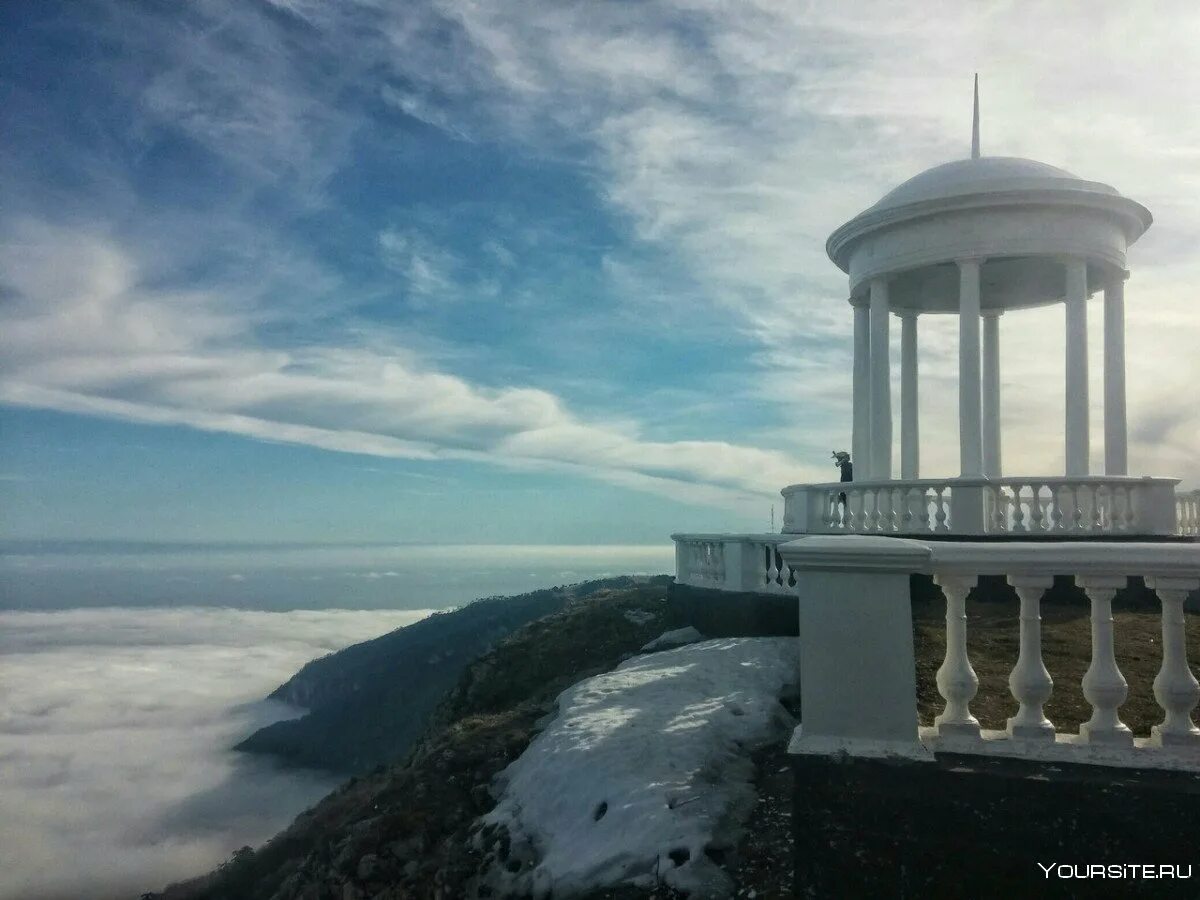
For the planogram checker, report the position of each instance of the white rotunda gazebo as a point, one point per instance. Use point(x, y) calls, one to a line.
point(979, 237)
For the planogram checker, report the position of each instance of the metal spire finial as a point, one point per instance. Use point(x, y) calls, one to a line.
point(975, 122)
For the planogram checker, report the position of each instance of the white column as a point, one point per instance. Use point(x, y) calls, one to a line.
point(910, 434)
point(1116, 454)
point(860, 448)
point(969, 433)
point(991, 394)
point(1077, 450)
point(881, 388)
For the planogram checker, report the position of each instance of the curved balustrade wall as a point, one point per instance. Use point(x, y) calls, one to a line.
point(1032, 506)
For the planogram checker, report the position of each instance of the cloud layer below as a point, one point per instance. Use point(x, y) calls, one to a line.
point(114, 737)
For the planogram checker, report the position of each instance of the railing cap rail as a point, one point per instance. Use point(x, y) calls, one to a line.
point(1081, 559)
point(858, 552)
point(748, 538)
point(977, 481)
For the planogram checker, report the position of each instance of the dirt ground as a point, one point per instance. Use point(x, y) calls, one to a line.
point(765, 862)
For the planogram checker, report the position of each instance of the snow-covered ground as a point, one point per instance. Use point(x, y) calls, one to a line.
point(644, 769)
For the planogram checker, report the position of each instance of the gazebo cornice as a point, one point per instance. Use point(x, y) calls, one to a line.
point(1133, 217)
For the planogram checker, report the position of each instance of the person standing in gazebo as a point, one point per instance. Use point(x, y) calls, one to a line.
point(841, 459)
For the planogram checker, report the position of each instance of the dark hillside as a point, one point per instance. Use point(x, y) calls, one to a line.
point(404, 830)
point(369, 702)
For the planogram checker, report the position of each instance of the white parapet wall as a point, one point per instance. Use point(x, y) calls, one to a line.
point(1032, 506)
point(733, 562)
point(858, 675)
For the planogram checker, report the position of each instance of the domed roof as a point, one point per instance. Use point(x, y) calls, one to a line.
point(983, 175)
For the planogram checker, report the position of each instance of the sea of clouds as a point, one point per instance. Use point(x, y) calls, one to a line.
point(115, 724)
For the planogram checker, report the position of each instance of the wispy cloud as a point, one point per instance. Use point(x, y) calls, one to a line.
point(775, 124)
point(730, 141)
point(103, 344)
point(428, 269)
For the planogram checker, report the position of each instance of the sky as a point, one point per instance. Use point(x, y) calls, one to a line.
point(529, 273)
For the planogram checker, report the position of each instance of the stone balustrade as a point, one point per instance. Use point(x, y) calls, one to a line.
point(857, 665)
point(1031, 506)
point(1187, 513)
point(748, 562)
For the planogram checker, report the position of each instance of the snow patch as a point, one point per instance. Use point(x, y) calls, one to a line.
point(639, 616)
point(676, 638)
point(644, 776)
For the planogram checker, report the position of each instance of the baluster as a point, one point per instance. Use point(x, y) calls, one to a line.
point(839, 512)
point(1056, 513)
point(1175, 688)
point(1036, 513)
point(1101, 512)
point(918, 511)
point(1029, 681)
point(1130, 509)
point(940, 510)
point(1104, 686)
point(999, 504)
point(1018, 526)
point(873, 515)
point(764, 573)
point(956, 680)
point(780, 577)
point(859, 498)
point(880, 508)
